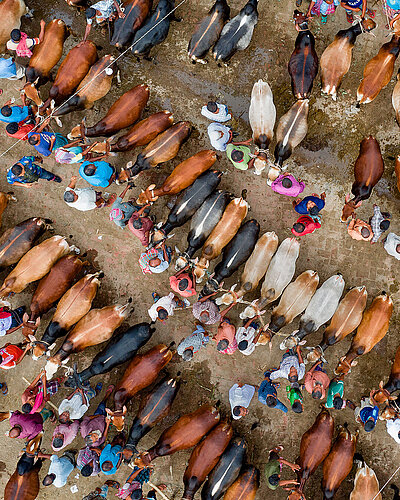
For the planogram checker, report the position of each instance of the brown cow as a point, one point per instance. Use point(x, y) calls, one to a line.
point(205, 457)
point(50, 289)
point(181, 177)
point(221, 235)
point(123, 113)
point(48, 52)
point(366, 484)
point(338, 463)
point(139, 374)
point(314, 446)
point(11, 12)
point(368, 169)
point(18, 240)
point(95, 328)
point(35, 264)
point(378, 71)
point(373, 327)
point(185, 433)
point(383, 394)
point(345, 320)
point(4, 199)
point(246, 485)
point(73, 306)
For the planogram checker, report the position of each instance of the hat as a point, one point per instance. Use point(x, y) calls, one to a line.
point(116, 214)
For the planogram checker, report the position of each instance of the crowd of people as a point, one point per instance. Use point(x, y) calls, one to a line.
point(75, 415)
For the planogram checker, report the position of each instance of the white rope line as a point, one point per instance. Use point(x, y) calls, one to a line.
point(387, 482)
point(94, 78)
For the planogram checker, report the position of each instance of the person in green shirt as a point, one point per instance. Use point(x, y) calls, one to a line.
point(295, 397)
point(273, 470)
point(240, 156)
point(334, 397)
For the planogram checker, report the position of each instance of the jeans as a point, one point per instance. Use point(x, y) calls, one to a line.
point(45, 174)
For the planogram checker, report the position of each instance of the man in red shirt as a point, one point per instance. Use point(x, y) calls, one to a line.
point(140, 225)
point(19, 130)
point(305, 225)
point(11, 355)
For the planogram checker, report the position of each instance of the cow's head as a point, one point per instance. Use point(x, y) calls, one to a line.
point(117, 418)
point(344, 366)
point(147, 196)
point(349, 208)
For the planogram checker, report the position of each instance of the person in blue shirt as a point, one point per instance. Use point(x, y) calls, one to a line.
point(45, 142)
point(111, 456)
point(9, 114)
point(97, 173)
point(310, 205)
point(366, 414)
point(25, 172)
point(122, 211)
point(267, 394)
point(11, 70)
point(356, 6)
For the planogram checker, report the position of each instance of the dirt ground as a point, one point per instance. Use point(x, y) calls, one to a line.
point(324, 160)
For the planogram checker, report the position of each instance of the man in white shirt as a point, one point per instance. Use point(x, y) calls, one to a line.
point(240, 397)
point(392, 245)
point(245, 338)
point(84, 199)
point(60, 469)
point(216, 112)
point(219, 135)
point(393, 429)
point(21, 43)
point(75, 405)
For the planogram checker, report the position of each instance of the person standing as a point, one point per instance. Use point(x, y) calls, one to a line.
point(206, 311)
point(240, 156)
point(245, 338)
point(392, 245)
point(59, 470)
point(393, 429)
point(20, 130)
point(84, 199)
point(352, 6)
point(122, 211)
point(11, 70)
point(22, 44)
point(219, 135)
point(359, 230)
point(305, 225)
point(273, 469)
point(379, 223)
point(39, 392)
point(111, 456)
point(323, 7)
point(102, 492)
point(64, 434)
point(183, 283)
point(9, 114)
point(310, 205)
point(267, 394)
point(216, 112)
point(291, 367)
point(11, 355)
point(75, 405)
point(102, 12)
point(316, 381)
point(288, 185)
point(225, 337)
point(164, 307)
point(193, 343)
point(295, 397)
point(25, 426)
point(367, 414)
point(98, 173)
point(25, 172)
point(240, 397)
point(45, 142)
point(140, 225)
point(156, 260)
point(334, 398)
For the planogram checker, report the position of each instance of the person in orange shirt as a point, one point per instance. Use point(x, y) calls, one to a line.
point(316, 381)
point(11, 355)
point(305, 225)
point(226, 337)
point(359, 230)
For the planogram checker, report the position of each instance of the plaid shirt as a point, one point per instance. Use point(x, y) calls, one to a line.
point(376, 220)
point(85, 456)
point(32, 171)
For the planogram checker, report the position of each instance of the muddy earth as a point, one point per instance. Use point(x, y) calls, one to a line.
point(324, 160)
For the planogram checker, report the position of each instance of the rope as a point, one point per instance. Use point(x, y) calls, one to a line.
point(387, 482)
point(94, 78)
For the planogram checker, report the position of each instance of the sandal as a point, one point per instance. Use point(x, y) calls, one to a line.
point(98, 387)
point(371, 13)
point(4, 389)
point(324, 19)
point(349, 17)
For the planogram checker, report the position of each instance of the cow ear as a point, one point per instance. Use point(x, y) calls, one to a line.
point(342, 359)
point(109, 411)
point(37, 322)
point(381, 384)
point(347, 199)
point(354, 362)
point(25, 317)
point(124, 410)
point(358, 204)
